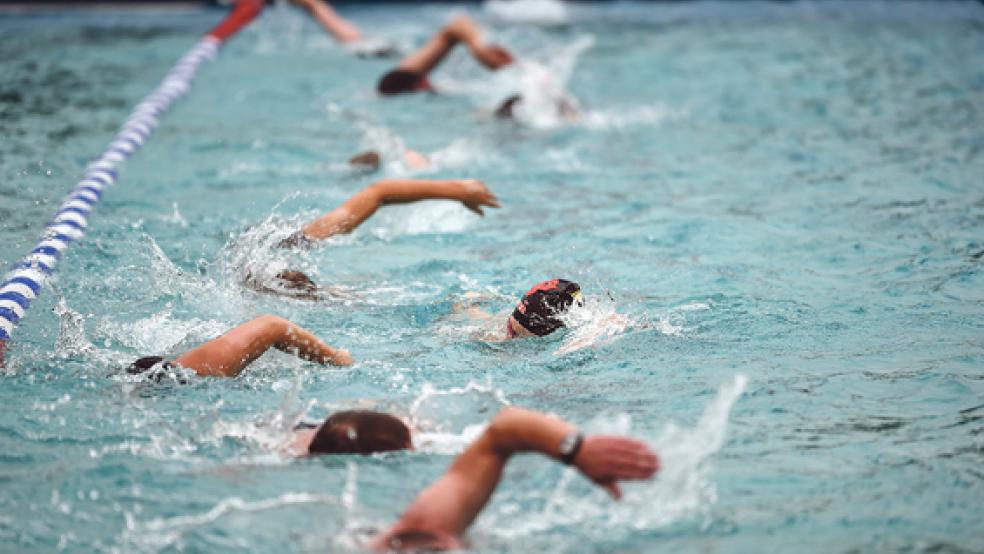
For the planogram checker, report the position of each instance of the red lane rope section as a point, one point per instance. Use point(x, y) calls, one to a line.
point(242, 13)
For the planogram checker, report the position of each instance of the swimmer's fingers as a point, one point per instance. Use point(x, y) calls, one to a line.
point(606, 459)
point(341, 357)
point(482, 199)
point(613, 489)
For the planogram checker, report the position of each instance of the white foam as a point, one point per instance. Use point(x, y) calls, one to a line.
point(447, 421)
point(159, 533)
point(71, 339)
point(550, 12)
point(594, 324)
point(682, 489)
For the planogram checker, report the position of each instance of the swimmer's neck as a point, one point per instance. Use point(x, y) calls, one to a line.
point(300, 443)
point(516, 331)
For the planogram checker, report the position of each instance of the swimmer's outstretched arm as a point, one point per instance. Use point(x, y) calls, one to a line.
point(344, 219)
point(461, 29)
point(229, 354)
point(343, 30)
point(446, 508)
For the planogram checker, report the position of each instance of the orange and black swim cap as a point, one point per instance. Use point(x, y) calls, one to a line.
point(537, 311)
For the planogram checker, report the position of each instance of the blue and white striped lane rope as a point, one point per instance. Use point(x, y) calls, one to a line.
point(25, 281)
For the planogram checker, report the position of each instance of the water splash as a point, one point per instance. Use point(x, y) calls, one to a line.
point(542, 85)
point(464, 152)
point(544, 12)
point(682, 489)
point(673, 322)
point(159, 333)
point(71, 339)
point(595, 323)
point(619, 118)
point(448, 420)
point(159, 533)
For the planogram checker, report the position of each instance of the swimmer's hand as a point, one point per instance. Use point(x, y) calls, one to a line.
point(493, 56)
point(474, 195)
point(414, 159)
point(606, 460)
point(341, 356)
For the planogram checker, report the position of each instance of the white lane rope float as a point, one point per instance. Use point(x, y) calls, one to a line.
point(25, 281)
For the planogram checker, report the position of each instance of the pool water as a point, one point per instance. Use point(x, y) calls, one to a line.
point(775, 211)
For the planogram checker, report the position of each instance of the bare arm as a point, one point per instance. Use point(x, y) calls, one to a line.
point(452, 503)
point(233, 351)
point(460, 29)
point(344, 219)
point(340, 28)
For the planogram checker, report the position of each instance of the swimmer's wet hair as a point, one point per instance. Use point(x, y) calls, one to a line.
point(296, 281)
point(146, 367)
point(416, 541)
point(366, 160)
point(507, 107)
point(360, 432)
point(295, 284)
point(143, 364)
point(537, 311)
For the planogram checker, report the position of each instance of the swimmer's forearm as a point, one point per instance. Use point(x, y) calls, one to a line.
point(302, 343)
point(335, 24)
point(402, 191)
point(517, 430)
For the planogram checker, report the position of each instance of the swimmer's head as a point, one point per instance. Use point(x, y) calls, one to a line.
point(143, 364)
point(296, 281)
point(286, 283)
point(538, 310)
point(368, 160)
point(422, 541)
point(566, 107)
point(360, 432)
point(505, 109)
point(156, 369)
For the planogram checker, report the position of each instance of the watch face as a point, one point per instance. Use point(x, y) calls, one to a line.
point(567, 444)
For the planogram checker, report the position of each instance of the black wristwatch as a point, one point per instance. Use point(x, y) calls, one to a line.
point(569, 447)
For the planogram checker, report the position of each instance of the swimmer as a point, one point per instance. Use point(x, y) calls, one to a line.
point(565, 106)
point(229, 354)
point(411, 73)
point(472, 193)
point(438, 518)
point(346, 32)
point(337, 26)
point(537, 313)
point(370, 160)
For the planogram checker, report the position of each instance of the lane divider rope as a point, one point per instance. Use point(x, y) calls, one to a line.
point(25, 281)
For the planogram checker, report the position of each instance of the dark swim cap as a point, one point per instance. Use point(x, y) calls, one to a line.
point(146, 366)
point(538, 309)
point(506, 109)
point(143, 364)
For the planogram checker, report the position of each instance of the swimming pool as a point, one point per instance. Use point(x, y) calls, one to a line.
point(787, 192)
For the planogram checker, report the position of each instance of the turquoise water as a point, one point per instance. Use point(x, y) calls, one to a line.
point(786, 193)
